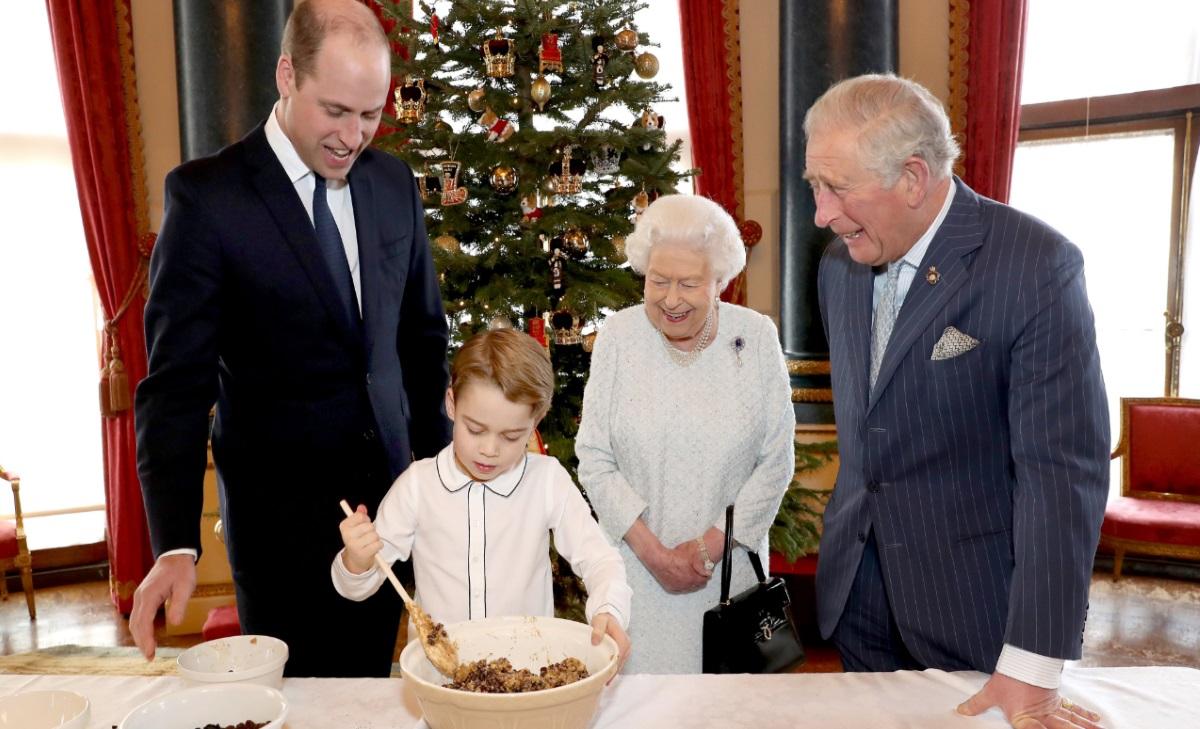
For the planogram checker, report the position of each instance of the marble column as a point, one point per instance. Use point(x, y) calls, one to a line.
point(820, 42)
point(225, 55)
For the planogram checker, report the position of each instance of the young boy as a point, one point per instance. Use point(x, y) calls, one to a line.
point(476, 518)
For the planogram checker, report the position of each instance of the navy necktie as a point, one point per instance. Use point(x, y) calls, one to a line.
point(332, 250)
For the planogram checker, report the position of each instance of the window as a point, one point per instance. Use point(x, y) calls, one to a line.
point(1107, 155)
point(49, 316)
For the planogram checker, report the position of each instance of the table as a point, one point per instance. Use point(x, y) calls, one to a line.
point(1127, 697)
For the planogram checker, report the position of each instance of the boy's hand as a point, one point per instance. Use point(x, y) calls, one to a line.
point(361, 540)
point(606, 623)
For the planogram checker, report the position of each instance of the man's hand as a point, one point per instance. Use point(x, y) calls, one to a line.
point(1029, 707)
point(607, 623)
point(172, 577)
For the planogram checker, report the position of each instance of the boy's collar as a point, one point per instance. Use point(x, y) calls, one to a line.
point(455, 479)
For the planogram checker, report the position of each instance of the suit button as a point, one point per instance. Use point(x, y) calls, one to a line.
point(368, 434)
point(862, 537)
point(368, 378)
point(873, 486)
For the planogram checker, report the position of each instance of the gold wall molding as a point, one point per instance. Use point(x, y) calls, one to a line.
point(812, 394)
point(808, 367)
point(960, 68)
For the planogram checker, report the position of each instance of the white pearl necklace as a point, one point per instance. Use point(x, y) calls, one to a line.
point(683, 359)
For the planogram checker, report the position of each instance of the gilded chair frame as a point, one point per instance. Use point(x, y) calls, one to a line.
point(22, 562)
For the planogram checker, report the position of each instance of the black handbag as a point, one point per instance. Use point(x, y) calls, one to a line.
point(753, 632)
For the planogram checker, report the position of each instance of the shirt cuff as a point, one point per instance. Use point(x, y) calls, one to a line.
point(1030, 668)
point(182, 550)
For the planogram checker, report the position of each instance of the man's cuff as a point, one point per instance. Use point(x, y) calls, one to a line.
point(184, 550)
point(1029, 667)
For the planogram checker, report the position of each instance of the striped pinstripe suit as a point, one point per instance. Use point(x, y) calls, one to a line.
point(982, 477)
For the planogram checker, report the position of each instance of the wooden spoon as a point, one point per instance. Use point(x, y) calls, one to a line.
point(441, 651)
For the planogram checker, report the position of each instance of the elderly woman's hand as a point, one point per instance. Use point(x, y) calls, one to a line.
point(681, 569)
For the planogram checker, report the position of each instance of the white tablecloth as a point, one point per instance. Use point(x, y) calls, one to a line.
point(1140, 698)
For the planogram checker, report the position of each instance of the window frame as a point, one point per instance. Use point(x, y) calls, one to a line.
point(1173, 109)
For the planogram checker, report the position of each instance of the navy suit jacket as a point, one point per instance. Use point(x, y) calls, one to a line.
point(983, 476)
point(243, 313)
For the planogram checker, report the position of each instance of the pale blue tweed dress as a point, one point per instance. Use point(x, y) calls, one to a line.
point(675, 445)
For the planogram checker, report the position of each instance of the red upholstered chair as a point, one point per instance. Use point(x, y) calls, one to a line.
point(1158, 512)
point(14, 552)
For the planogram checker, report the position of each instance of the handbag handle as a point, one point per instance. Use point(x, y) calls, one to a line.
point(726, 567)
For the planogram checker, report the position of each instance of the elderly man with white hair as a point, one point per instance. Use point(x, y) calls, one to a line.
point(972, 420)
point(687, 410)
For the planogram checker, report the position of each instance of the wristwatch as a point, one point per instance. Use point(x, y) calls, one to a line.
point(708, 563)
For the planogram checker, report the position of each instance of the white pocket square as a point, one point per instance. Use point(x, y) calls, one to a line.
point(952, 344)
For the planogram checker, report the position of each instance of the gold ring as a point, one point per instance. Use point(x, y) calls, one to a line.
point(1066, 703)
point(709, 565)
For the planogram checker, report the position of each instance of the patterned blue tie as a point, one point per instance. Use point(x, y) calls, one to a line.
point(333, 251)
point(885, 317)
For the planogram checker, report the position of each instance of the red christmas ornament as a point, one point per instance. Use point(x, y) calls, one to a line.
point(751, 232)
point(433, 27)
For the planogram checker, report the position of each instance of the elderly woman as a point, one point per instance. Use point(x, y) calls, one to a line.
point(687, 410)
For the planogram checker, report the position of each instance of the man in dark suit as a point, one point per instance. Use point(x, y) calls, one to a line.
point(292, 285)
point(972, 422)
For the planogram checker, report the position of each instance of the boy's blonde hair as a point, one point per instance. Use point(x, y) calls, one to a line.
point(511, 360)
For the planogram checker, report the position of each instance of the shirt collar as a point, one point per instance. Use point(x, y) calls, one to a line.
point(917, 252)
point(284, 149)
point(455, 479)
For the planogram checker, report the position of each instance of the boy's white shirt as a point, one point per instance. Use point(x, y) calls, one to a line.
point(481, 549)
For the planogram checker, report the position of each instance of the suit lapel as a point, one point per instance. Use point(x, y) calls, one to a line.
point(370, 248)
point(958, 236)
point(860, 293)
point(279, 195)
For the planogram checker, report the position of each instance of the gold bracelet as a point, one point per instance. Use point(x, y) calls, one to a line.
point(708, 563)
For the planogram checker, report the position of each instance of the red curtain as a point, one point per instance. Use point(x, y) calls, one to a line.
point(93, 48)
point(986, 41)
point(713, 78)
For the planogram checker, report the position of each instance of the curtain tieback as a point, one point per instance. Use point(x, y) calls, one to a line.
point(115, 395)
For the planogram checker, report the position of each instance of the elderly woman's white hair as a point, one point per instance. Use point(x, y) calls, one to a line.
point(894, 117)
point(694, 222)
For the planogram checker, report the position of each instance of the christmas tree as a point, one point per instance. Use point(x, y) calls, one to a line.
point(531, 127)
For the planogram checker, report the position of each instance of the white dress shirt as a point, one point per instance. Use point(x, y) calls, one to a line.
point(337, 193)
point(481, 548)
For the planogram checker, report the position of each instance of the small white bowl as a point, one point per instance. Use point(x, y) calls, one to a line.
point(255, 659)
point(222, 704)
point(44, 710)
point(528, 642)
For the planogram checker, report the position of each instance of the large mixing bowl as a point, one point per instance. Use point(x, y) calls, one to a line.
point(527, 642)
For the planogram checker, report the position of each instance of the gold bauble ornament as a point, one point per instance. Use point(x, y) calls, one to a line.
point(477, 100)
point(514, 102)
point(576, 242)
point(539, 91)
point(646, 65)
point(504, 179)
point(448, 243)
point(619, 245)
point(500, 321)
point(589, 341)
point(627, 39)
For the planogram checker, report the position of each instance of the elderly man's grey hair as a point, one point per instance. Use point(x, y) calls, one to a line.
point(694, 222)
point(895, 118)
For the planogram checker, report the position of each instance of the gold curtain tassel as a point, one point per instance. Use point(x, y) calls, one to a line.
point(105, 400)
point(118, 387)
